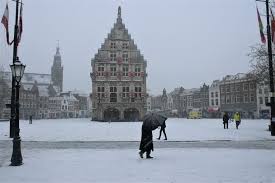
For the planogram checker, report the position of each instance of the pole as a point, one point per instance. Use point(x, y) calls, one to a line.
point(12, 117)
point(271, 78)
point(16, 159)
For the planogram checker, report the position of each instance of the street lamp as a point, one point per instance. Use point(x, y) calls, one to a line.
point(17, 69)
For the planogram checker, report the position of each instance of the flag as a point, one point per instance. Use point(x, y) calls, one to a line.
point(20, 26)
point(5, 22)
point(261, 27)
point(272, 27)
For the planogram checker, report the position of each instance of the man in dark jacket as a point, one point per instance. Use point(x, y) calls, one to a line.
point(162, 129)
point(146, 143)
point(225, 120)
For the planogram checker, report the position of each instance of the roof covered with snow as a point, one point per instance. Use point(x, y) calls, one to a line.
point(30, 78)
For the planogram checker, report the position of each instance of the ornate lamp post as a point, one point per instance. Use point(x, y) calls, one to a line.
point(17, 70)
point(15, 45)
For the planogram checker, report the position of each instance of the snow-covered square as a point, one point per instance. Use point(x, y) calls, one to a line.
point(177, 129)
point(81, 150)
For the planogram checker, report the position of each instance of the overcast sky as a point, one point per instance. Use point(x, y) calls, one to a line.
point(185, 42)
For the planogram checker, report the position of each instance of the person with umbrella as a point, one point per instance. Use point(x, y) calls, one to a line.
point(150, 122)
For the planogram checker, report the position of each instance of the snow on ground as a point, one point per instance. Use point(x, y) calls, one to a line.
point(177, 130)
point(169, 165)
point(124, 166)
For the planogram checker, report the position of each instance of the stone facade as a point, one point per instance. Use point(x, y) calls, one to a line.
point(201, 99)
point(186, 100)
point(4, 96)
point(156, 103)
point(214, 100)
point(29, 99)
point(35, 91)
point(118, 78)
point(82, 105)
point(178, 99)
point(263, 111)
point(238, 94)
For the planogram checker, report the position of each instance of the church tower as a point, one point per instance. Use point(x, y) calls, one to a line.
point(118, 78)
point(57, 71)
point(164, 99)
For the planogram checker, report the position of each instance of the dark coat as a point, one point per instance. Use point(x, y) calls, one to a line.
point(225, 118)
point(146, 143)
point(163, 125)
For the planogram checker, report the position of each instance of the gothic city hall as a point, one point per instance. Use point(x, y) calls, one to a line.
point(118, 78)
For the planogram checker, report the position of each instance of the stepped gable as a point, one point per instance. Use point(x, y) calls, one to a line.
point(119, 33)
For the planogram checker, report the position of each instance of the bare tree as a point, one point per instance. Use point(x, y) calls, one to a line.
point(1, 72)
point(259, 63)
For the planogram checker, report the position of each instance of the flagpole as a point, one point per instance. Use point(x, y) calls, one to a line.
point(271, 77)
point(270, 63)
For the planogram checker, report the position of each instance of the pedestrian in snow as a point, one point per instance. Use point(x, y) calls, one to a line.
point(225, 120)
point(237, 118)
point(30, 119)
point(146, 143)
point(162, 129)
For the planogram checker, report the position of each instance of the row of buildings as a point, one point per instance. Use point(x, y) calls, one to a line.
point(119, 91)
point(42, 96)
point(233, 93)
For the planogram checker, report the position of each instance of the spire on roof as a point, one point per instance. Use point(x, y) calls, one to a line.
point(119, 19)
point(119, 12)
point(57, 48)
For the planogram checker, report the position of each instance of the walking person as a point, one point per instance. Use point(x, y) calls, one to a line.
point(237, 118)
point(30, 119)
point(225, 120)
point(162, 129)
point(146, 143)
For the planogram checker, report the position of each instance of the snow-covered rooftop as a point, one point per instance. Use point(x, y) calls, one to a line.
point(233, 77)
point(30, 78)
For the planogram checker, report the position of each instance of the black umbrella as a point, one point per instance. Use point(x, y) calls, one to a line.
point(153, 120)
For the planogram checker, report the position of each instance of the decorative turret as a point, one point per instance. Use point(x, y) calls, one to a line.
point(119, 19)
point(164, 99)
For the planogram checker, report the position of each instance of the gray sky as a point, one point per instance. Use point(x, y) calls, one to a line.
point(185, 42)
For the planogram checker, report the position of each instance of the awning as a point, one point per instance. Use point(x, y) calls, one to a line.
point(213, 109)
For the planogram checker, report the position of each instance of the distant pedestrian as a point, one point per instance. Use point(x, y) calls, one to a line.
point(146, 143)
point(237, 118)
point(225, 120)
point(30, 119)
point(162, 129)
